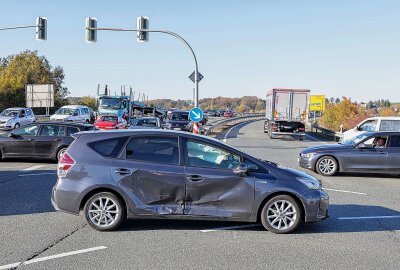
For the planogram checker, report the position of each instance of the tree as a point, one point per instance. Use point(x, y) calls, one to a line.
point(387, 112)
point(90, 102)
point(27, 67)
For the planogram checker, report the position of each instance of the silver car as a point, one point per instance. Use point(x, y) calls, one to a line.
point(14, 118)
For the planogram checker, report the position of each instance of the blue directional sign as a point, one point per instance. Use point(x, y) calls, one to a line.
point(196, 114)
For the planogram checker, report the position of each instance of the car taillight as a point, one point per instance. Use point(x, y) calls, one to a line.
point(65, 164)
point(274, 127)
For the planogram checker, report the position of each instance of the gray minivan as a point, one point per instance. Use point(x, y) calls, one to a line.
point(113, 175)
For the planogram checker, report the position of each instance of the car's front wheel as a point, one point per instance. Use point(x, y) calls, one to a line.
point(327, 166)
point(17, 126)
point(281, 214)
point(104, 211)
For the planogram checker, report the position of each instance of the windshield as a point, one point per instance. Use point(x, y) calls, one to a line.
point(180, 116)
point(110, 103)
point(109, 119)
point(9, 113)
point(145, 122)
point(65, 111)
point(356, 139)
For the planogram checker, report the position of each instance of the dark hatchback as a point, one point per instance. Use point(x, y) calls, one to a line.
point(371, 152)
point(178, 120)
point(110, 176)
point(40, 140)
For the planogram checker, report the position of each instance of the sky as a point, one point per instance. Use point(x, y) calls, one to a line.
point(334, 48)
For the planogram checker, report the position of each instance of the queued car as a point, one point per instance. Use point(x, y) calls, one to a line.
point(73, 113)
point(112, 121)
point(114, 175)
point(146, 123)
point(373, 124)
point(44, 140)
point(13, 118)
point(178, 120)
point(370, 152)
point(229, 114)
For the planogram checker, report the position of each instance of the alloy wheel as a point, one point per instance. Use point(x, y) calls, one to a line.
point(327, 166)
point(103, 212)
point(281, 215)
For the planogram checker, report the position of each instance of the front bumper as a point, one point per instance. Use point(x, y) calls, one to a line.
point(316, 205)
point(307, 163)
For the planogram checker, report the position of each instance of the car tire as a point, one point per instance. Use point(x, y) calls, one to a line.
point(98, 217)
point(281, 214)
point(327, 166)
point(17, 125)
point(60, 153)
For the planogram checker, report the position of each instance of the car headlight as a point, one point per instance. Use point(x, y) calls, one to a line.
point(307, 156)
point(310, 182)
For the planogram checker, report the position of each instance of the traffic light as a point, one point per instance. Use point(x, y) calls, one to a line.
point(142, 23)
point(41, 28)
point(91, 35)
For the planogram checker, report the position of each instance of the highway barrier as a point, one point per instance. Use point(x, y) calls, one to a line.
point(220, 126)
point(328, 133)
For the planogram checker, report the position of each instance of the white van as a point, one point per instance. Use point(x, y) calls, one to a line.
point(73, 113)
point(373, 124)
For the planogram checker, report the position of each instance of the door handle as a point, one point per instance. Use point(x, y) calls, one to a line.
point(123, 171)
point(57, 140)
point(195, 178)
point(31, 140)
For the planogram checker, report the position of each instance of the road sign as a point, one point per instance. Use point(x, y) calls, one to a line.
point(196, 114)
point(317, 103)
point(199, 77)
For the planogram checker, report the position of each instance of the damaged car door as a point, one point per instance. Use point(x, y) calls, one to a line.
point(212, 187)
point(151, 173)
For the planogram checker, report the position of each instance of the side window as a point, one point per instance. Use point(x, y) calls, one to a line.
point(390, 125)
point(205, 155)
point(72, 130)
point(82, 111)
point(76, 112)
point(28, 112)
point(109, 147)
point(368, 125)
point(27, 131)
point(394, 141)
point(51, 130)
point(61, 131)
point(379, 142)
point(22, 113)
point(153, 149)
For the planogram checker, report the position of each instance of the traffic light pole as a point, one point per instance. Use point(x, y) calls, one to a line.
point(17, 27)
point(196, 75)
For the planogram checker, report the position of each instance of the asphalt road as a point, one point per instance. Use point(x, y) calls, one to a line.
point(358, 235)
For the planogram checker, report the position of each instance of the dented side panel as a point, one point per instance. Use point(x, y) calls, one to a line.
point(220, 193)
point(154, 189)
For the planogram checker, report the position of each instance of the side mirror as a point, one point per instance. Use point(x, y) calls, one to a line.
point(241, 169)
point(357, 128)
point(12, 135)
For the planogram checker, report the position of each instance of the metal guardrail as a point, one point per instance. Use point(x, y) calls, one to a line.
point(336, 136)
point(224, 124)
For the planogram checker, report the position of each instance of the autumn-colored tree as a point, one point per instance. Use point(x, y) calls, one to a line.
point(90, 102)
point(387, 112)
point(27, 67)
point(346, 113)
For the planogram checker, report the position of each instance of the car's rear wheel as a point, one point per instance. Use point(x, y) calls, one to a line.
point(61, 152)
point(327, 166)
point(281, 214)
point(104, 211)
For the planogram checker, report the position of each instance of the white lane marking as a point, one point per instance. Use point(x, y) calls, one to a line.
point(52, 257)
point(345, 191)
point(367, 217)
point(227, 133)
point(34, 174)
point(33, 168)
point(231, 228)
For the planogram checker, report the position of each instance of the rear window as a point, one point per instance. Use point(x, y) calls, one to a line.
point(154, 149)
point(180, 116)
point(390, 125)
point(108, 148)
point(394, 141)
point(72, 130)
